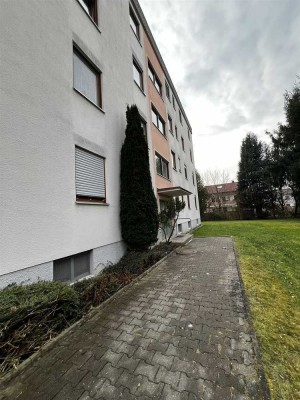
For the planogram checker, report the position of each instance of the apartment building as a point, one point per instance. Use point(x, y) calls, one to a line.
point(68, 71)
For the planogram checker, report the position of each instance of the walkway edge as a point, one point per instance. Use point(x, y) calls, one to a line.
point(264, 384)
point(48, 345)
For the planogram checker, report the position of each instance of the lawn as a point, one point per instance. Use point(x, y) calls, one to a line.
point(269, 255)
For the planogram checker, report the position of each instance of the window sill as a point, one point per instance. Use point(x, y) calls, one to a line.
point(91, 203)
point(175, 169)
point(90, 18)
point(141, 90)
point(90, 101)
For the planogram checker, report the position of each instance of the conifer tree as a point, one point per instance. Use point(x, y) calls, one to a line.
point(286, 140)
point(139, 214)
point(252, 186)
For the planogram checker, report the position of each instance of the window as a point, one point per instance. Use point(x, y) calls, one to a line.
point(134, 23)
point(138, 75)
point(154, 78)
point(176, 132)
point(188, 201)
point(89, 176)
point(193, 178)
point(167, 90)
point(189, 224)
point(179, 164)
point(180, 228)
point(170, 124)
point(69, 269)
point(173, 160)
point(196, 202)
point(182, 143)
point(158, 121)
point(189, 134)
point(162, 166)
point(86, 78)
point(191, 156)
point(144, 127)
point(185, 172)
point(180, 117)
point(90, 7)
point(173, 101)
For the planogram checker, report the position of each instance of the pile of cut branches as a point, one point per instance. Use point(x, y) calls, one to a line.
point(30, 316)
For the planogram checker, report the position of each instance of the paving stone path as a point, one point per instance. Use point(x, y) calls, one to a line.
point(179, 333)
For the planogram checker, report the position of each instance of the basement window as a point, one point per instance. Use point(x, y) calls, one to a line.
point(70, 269)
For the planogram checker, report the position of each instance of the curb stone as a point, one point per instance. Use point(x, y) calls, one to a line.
point(48, 345)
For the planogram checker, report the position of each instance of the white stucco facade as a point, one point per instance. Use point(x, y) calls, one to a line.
point(42, 120)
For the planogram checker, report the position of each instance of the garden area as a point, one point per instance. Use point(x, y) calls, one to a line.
point(269, 256)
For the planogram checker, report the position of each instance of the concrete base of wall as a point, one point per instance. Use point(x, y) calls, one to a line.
point(106, 255)
point(41, 272)
point(101, 257)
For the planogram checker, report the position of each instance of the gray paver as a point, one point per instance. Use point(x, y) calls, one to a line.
point(182, 332)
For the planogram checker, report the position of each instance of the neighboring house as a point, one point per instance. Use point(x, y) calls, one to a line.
point(288, 198)
point(222, 197)
point(68, 71)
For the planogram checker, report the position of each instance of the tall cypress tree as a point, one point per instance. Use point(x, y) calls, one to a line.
point(252, 186)
point(139, 214)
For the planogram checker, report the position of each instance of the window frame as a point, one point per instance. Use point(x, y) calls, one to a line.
point(144, 127)
point(176, 132)
point(173, 102)
point(94, 11)
point(182, 143)
point(173, 157)
point(167, 88)
point(188, 201)
point(158, 119)
point(191, 156)
point(180, 116)
point(185, 172)
point(136, 65)
point(73, 278)
point(155, 79)
point(86, 60)
point(134, 19)
point(91, 199)
point(179, 164)
point(162, 160)
point(170, 122)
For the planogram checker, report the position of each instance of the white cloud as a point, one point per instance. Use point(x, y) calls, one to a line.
point(231, 62)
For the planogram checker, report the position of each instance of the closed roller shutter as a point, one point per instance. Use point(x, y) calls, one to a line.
point(89, 174)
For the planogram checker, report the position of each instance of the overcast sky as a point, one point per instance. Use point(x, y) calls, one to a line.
point(231, 62)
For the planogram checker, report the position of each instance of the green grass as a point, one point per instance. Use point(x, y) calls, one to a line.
point(269, 255)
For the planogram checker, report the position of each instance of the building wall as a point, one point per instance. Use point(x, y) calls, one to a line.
point(45, 118)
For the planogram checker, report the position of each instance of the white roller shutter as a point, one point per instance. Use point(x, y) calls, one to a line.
point(89, 174)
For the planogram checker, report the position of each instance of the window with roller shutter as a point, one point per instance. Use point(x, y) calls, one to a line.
point(89, 176)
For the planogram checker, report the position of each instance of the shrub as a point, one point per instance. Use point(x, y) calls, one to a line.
point(31, 315)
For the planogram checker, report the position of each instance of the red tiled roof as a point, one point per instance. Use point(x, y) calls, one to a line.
point(222, 188)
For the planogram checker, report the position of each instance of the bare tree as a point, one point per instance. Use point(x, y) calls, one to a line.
point(216, 178)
